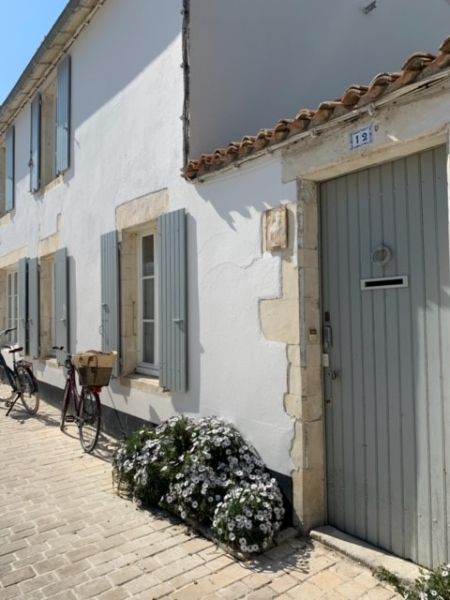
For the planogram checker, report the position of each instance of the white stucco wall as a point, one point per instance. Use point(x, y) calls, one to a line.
point(127, 138)
point(127, 97)
point(254, 62)
point(234, 370)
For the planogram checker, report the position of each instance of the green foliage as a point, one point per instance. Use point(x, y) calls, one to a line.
point(124, 460)
point(432, 585)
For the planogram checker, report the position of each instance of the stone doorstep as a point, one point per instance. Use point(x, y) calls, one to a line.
point(364, 553)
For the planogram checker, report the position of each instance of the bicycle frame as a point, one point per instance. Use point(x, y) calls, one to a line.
point(86, 405)
point(71, 388)
point(9, 372)
point(14, 379)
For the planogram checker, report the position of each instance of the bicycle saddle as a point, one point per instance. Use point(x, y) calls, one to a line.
point(14, 350)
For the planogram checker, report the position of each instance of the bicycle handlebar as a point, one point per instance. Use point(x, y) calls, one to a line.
point(6, 331)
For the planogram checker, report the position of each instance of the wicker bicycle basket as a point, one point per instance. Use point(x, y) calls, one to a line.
point(94, 368)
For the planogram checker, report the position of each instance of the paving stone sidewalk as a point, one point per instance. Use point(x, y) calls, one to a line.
point(65, 535)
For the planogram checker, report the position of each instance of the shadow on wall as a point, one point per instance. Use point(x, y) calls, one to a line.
point(118, 47)
point(227, 103)
point(247, 193)
point(72, 309)
point(190, 402)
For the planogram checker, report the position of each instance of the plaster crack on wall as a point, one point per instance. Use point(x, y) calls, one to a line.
point(243, 267)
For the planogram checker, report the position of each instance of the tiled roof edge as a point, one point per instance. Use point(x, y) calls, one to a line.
point(418, 67)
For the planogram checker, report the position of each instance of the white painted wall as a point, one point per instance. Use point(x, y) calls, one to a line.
point(234, 370)
point(254, 62)
point(127, 96)
point(126, 141)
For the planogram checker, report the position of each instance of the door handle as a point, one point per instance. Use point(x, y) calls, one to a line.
point(327, 337)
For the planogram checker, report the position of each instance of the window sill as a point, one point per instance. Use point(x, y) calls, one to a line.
point(49, 361)
point(144, 383)
point(58, 180)
point(5, 219)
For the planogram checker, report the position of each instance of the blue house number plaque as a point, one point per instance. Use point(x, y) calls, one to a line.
point(362, 137)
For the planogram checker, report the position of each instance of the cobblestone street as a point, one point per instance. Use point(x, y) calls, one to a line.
point(65, 535)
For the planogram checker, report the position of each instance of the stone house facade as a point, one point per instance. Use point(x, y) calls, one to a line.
point(294, 283)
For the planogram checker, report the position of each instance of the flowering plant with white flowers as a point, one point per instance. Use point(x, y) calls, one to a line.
point(218, 460)
point(249, 516)
point(431, 585)
point(150, 460)
point(434, 585)
point(204, 471)
point(125, 459)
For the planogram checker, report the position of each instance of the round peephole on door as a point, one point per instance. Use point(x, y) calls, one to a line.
point(381, 255)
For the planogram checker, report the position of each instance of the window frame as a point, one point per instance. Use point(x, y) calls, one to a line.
point(143, 367)
point(50, 153)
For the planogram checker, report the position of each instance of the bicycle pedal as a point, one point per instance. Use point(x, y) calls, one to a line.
point(70, 419)
point(8, 403)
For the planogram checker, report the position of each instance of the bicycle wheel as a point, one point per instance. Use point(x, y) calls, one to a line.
point(65, 406)
point(27, 388)
point(6, 391)
point(89, 419)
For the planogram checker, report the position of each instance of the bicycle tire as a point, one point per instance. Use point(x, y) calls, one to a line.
point(6, 391)
point(89, 419)
point(64, 409)
point(27, 389)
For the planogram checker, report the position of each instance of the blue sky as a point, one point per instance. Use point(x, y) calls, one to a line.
point(25, 24)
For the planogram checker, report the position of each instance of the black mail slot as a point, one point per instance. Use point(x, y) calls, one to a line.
point(384, 282)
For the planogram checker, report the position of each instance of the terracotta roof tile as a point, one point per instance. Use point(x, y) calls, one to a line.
point(352, 95)
point(417, 67)
point(324, 112)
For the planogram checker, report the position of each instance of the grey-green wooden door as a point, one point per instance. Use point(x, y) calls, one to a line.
point(387, 386)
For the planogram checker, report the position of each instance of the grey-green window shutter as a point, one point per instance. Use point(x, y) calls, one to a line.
point(2, 178)
point(35, 144)
point(63, 117)
point(173, 301)
point(61, 303)
point(22, 328)
point(9, 170)
point(110, 309)
point(33, 307)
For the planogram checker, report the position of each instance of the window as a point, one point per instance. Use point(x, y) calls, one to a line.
point(50, 129)
point(12, 303)
point(43, 307)
point(144, 296)
point(148, 309)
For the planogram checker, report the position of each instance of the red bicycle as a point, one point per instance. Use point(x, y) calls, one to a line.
point(86, 406)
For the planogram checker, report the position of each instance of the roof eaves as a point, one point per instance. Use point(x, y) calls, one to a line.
point(75, 16)
point(368, 109)
point(419, 71)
